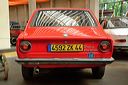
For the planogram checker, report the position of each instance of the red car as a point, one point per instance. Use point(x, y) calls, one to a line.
point(15, 30)
point(63, 38)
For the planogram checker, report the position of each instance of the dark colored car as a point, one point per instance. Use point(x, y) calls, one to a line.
point(15, 30)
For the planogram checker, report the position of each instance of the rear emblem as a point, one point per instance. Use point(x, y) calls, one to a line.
point(65, 35)
point(91, 55)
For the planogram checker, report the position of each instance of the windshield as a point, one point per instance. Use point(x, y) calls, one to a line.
point(62, 18)
point(118, 23)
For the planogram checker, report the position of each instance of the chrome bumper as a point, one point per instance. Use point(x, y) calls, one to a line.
point(64, 61)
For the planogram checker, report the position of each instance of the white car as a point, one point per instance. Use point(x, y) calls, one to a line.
point(117, 28)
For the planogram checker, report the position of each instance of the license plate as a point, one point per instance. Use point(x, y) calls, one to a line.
point(65, 47)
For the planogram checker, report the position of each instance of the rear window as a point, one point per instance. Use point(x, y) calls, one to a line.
point(63, 18)
point(14, 25)
point(118, 23)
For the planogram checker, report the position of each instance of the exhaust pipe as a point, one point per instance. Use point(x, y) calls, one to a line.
point(36, 71)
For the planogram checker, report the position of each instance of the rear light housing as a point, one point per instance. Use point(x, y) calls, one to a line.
point(105, 46)
point(120, 40)
point(25, 46)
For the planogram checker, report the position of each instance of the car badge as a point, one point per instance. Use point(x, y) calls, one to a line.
point(65, 35)
point(91, 55)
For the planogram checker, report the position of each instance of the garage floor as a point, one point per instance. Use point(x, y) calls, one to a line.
point(116, 74)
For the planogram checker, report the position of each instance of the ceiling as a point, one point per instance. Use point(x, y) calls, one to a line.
point(21, 2)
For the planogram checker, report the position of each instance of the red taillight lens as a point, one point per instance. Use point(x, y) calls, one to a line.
point(25, 46)
point(105, 46)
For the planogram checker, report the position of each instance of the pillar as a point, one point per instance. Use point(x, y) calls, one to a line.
point(32, 6)
point(52, 3)
point(69, 3)
point(4, 25)
point(87, 3)
point(94, 6)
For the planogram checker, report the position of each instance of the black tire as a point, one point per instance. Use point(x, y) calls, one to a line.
point(98, 72)
point(13, 41)
point(27, 73)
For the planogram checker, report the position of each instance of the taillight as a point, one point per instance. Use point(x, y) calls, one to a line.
point(25, 46)
point(120, 40)
point(105, 46)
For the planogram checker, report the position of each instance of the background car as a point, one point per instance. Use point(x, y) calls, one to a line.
point(117, 28)
point(15, 30)
point(63, 39)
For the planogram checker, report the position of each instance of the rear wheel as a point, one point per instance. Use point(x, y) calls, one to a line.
point(27, 73)
point(98, 72)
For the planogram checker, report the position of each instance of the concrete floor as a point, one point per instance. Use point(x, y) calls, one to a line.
point(116, 74)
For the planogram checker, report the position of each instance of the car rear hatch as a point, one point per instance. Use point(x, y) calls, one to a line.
point(120, 36)
point(66, 42)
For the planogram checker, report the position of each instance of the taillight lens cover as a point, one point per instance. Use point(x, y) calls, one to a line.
point(105, 46)
point(25, 46)
point(120, 40)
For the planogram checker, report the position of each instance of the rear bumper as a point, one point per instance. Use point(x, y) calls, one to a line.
point(65, 61)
